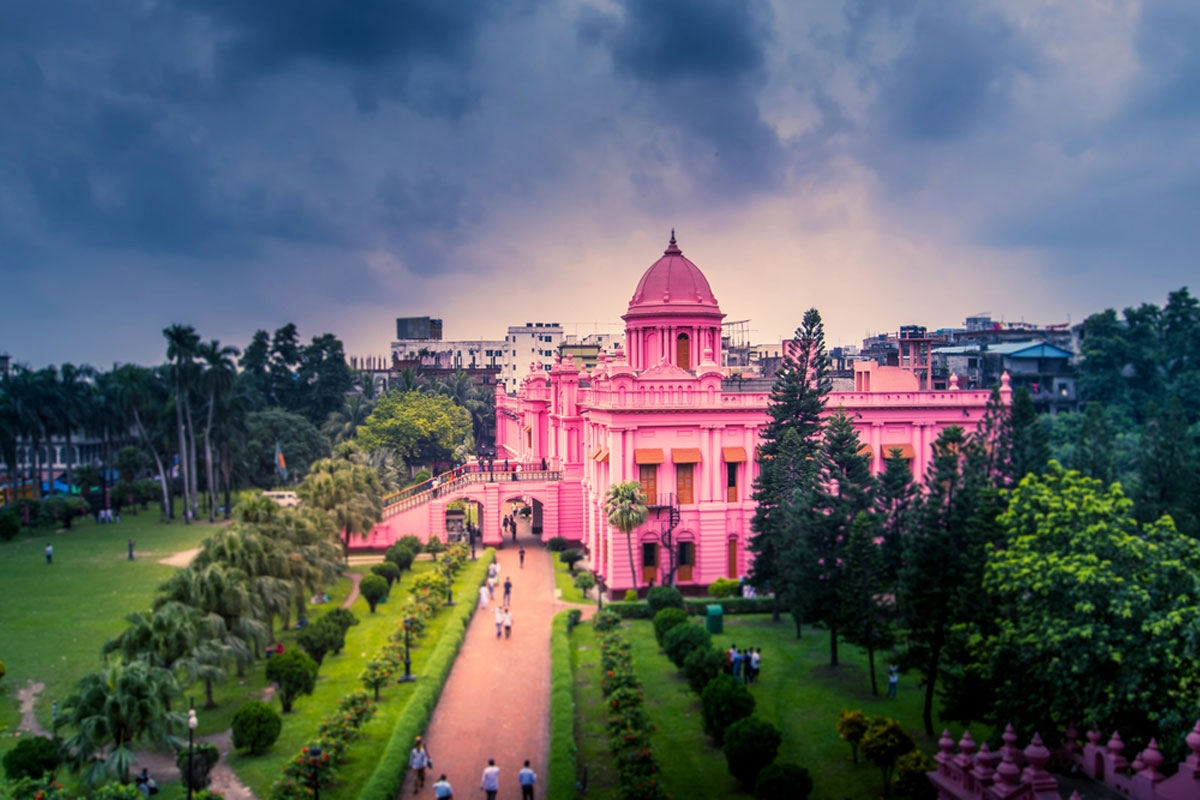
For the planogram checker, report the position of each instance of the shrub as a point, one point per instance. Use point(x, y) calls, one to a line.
point(10, 524)
point(630, 596)
point(116, 791)
point(571, 558)
point(3, 671)
point(851, 726)
point(373, 589)
point(422, 475)
point(434, 546)
point(660, 597)
point(32, 757)
point(295, 673)
point(683, 639)
point(750, 745)
point(401, 556)
point(701, 666)
point(343, 618)
point(323, 636)
point(584, 581)
point(410, 542)
point(667, 619)
point(910, 775)
point(784, 782)
point(723, 702)
point(388, 571)
point(883, 743)
point(556, 544)
point(605, 620)
point(256, 726)
point(204, 758)
point(573, 617)
point(723, 587)
point(562, 703)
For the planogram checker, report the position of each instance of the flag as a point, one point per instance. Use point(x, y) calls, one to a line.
point(280, 466)
point(175, 468)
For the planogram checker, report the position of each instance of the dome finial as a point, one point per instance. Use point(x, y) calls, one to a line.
point(672, 248)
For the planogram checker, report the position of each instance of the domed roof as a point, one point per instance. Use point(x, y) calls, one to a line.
point(673, 283)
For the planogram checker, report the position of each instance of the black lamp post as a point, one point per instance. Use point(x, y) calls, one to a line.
point(471, 531)
point(599, 593)
point(449, 584)
point(192, 723)
point(315, 755)
point(408, 676)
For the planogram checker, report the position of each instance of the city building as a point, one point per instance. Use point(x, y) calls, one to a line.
point(418, 328)
point(533, 345)
point(663, 413)
point(1043, 368)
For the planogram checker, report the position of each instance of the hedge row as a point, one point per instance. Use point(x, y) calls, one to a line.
point(629, 726)
point(698, 608)
point(560, 784)
point(333, 735)
point(387, 780)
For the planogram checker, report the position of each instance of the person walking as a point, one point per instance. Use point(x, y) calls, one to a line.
point(507, 591)
point(442, 790)
point(521, 556)
point(508, 623)
point(483, 597)
point(527, 779)
point(893, 680)
point(755, 657)
point(499, 617)
point(419, 761)
point(737, 664)
point(131, 549)
point(49, 553)
point(491, 587)
point(490, 782)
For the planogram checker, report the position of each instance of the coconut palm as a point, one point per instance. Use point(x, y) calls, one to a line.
point(342, 425)
point(410, 381)
point(227, 592)
point(75, 395)
point(182, 342)
point(349, 492)
point(625, 507)
point(114, 709)
point(133, 388)
point(220, 376)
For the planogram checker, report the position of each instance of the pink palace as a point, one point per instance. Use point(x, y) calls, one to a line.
point(664, 414)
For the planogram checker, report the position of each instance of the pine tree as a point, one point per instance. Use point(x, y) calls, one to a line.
point(864, 610)
point(1030, 446)
point(894, 497)
point(1094, 447)
point(1167, 465)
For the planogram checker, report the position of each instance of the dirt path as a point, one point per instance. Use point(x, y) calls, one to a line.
point(27, 697)
point(496, 703)
point(162, 767)
point(180, 559)
point(356, 579)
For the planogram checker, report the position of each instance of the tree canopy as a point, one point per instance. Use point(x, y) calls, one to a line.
point(421, 428)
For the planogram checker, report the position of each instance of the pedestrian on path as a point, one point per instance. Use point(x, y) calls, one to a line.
point(419, 761)
point(49, 553)
point(507, 591)
point(442, 789)
point(131, 549)
point(490, 782)
point(508, 623)
point(483, 597)
point(500, 615)
point(755, 657)
point(491, 587)
point(526, 778)
point(521, 555)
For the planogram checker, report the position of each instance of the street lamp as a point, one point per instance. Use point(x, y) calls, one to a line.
point(471, 531)
point(599, 592)
point(315, 754)
point(408, 676)
point(192, 724)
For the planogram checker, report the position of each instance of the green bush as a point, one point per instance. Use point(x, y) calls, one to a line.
point(911, 778)
point(701, 666)
point(411, 542)
point(373, 589)
point(630, 596)
point(683, 639)
point(204, 758)
point(667, 619)
point(3, 671)
point(561, 768)
point(10, 524)
point(605, 620)
point(585, 581)
point(750, 745)
point(626, 610)
point(574, 615)
point(850, 727)
point(786, 782)
point(556, 544)
point(322, 637)
point(733, 605)
point(32, 757)
point(256, 726)
point(883, 743)
point(342, 617)
point(401, 555)
point(117, 791)
point(422, 475)
point(723, 587)
point(660, 597)
point(571, 558)
point(388, 571)
point(723, 702)
point(435, 546)
point(295, 673)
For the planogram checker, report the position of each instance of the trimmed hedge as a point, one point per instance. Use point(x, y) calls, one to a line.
point(683, 639)
point(699, 607)
point(560, 780)
point(667, 619)
point(388, 778)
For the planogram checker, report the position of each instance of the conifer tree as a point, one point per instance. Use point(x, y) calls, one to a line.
point(1167, 465)
point(1095, 444)
point(863, 611)
point(894, 498)
point(1030, 446)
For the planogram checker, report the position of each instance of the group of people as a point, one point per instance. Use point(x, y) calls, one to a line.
point(743, 665)
point(509, 523)
point(419, 761)
point(487, 593)
point(106, 516)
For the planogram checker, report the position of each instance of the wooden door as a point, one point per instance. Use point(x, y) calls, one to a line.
point(649, 562)
point(732, 570)
point(684, 475)
point(687, 557)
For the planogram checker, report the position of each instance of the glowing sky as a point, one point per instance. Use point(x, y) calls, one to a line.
point(237, 165)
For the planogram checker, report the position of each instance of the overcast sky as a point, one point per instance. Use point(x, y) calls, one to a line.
point(237, 165)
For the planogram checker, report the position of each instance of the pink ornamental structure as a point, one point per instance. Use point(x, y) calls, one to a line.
point(665, 414)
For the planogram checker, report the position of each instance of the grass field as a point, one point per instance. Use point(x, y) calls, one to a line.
point(591, 719)
point(797, 691)
point(565, 582)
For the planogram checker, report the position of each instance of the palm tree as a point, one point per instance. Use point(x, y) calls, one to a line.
point(225, 591)
point(76, 396)
point(410, 381)
point(461, 388)
point(342, 425)
point(132, 386)
point(106, 420)
point(111, 711)
point(182, 342)
point(349, 492)
point(219, 378)
point(625, 507)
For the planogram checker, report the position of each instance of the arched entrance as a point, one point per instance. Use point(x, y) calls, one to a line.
point(464, 521)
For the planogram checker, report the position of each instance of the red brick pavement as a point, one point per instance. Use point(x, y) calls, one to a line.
point(496, 702)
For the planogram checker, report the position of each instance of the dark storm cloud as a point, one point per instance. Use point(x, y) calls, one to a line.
point(426, 218)
point(1168, 37)
point(703, 64)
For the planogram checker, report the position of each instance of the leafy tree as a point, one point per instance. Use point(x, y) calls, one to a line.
point(342, 425)
point(1167, 482)
point(410, 542)
point(571, 558)
point(388, 571)
point(1094, 445)
point(1030, 448)
point(422, 428)
point(912, 777)
point(863, 611)
point(883, 743)
point(584, 581)
point(320, 638)
point(851, 727)
point(31, 757)
point(195, 768)
point(10, 524)
point(135, 390)
point(256, 726)
point(724, 701)
point(1101, 369)
point(373, 589)
point(295, 673)
point(400, 555)
point(343, 618)
point(182, 344)
point(434, 546)
point(299, 441)
point(625, 509)
point(1094, 615)
point(750, 745)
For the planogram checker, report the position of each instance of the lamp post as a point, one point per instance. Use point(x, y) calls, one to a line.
point(408, 676)
point(599, 593)
point(471, 532)
point(315, 754)
point(449, 584)
point(192, 723)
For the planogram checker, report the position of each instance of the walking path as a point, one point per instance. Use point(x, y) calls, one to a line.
point(356, 579)
point(496, 703)
point(27, 697)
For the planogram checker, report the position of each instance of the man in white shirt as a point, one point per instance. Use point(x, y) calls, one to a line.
point(526, 778)
point(442, 790)
point(491, 779)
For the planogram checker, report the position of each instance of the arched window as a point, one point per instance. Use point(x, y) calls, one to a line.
point(683, 351)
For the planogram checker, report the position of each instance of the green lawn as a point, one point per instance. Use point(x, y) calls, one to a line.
point(591, 720)
point(565, 581)
point(797, 691)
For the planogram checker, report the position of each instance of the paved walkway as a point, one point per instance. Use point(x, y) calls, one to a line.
point(496, 703)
